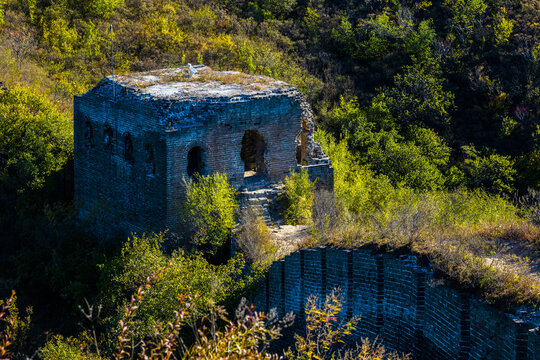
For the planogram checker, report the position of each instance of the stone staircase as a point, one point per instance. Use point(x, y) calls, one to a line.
point(262, 197)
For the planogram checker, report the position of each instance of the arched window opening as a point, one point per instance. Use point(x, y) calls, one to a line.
point(252, 153)
point(196, 162)
point(149, 163)
point(89, 135)
point(128, 149)
point(108, 139)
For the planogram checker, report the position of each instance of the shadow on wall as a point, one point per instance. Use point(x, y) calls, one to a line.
point(400, 304)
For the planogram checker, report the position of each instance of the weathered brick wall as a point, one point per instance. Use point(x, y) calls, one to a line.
point(399, 304)
point(219, 128)
point(402, 305)
point(111, 192)
point(533, 343)
point(495, 335)
point(337, 268)
point(367, 292)
point(442, 330)
point(121, 194)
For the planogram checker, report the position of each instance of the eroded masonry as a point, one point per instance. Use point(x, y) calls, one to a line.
point(138, 136)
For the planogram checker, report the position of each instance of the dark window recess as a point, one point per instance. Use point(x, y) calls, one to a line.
point(108, 139)
point(196, 162)
point(128, 149)
point(89, 135)
point(252, 153)
point(149, 163)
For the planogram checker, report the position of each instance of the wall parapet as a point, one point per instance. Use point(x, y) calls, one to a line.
point(401, 304)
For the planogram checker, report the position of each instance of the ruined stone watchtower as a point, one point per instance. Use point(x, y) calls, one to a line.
point(139, 135)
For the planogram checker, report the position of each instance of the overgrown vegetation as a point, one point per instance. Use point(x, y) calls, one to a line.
point(299, 197)
point(208, 211)
point(248, 336)
point(429, 111)
point(481, 240)
point(255, 240)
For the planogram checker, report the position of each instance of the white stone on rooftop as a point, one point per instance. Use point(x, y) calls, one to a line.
point(179, 83)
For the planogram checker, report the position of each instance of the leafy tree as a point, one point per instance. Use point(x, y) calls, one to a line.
point(161, 30)
point(419, 97)
point(345, 37)
point(2, 4)
point(272, 9)
point(299, 195)
point(94, 8)
point(431, 145)
point(357, 186)
point(312, 20)
point(56, 32)
point(417, 158)
point(35, 141)
point(380, 36)
point(466, 14)
point(209, 211)
point(492, 172)
point(179, 274)
point(528, 174)
point(502, 27)
point(404, 163)
point(419, 43)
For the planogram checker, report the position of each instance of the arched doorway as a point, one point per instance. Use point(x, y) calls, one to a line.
point(196, 162)
point(252, 154)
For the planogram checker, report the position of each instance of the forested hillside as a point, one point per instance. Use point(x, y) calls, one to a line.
point(429, 110)
point(450, 88)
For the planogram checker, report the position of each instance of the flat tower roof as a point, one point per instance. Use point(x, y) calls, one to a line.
point(179, 84)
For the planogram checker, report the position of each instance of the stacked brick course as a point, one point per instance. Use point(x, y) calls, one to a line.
point(403, 305)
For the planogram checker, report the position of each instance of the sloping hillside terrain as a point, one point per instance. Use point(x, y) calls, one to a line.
point(429, 111)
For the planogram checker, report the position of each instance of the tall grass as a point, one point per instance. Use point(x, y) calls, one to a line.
point(482, 241)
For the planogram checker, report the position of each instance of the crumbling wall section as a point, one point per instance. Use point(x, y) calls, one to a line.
point(131, 166)
point(402, 305)
point(310, 155)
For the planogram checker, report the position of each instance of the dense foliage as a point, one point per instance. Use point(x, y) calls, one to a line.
point(180, 274)
point(35, 142)
point(430, 112)
point(433, 95)
point(208, 211)
point(299, 197)
point(248, 336)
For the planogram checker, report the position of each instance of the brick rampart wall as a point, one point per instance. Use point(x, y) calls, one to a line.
point(110, 191)
point(401, 304)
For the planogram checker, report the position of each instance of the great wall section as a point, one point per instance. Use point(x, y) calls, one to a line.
point(401, 304)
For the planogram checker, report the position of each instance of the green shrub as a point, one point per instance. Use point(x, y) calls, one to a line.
point(491, 172)
point(36, 139)
point(60, 348)
point(209, 211)
point(2, 4)
point(255, 239)
point(180, 274)
point(299, 196)
point(14, 329)
point(328, 337)
point(357, 187)
point(466, 14)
